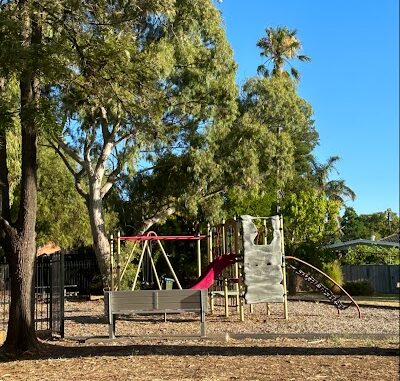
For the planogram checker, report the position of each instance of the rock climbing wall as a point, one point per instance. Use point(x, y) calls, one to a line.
point(262, 264)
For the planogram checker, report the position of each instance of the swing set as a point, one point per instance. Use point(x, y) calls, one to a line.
point(146, 266)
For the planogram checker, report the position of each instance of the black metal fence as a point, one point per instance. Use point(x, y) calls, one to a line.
point(49, 294)
point(57, 276)
point(82, 275)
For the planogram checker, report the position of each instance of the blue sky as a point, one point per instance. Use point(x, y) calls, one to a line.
point(352, 82)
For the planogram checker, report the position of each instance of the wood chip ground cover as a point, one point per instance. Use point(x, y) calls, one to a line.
point(279, 358)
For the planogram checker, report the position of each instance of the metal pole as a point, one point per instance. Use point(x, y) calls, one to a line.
point(153, 266)
point(139, 265)
point(223, 238)
point(112, 263)
point(198, 258)
point(210, 244)
point(119, 260)
point(128, 260)
point(169, 264)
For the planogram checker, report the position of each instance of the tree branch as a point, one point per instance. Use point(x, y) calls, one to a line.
point(77, 175)
point(70, 152)
point(9, 230)
point(168, 210)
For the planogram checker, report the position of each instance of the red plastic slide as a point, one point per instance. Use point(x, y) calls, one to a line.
point(213, 270)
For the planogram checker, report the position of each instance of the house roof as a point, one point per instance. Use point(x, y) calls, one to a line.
point(48, 248)
point(392, 238)
point(357, 242)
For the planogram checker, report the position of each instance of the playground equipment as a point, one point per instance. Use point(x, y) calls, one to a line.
point(235, 262)
point(258, 276)
point(146, 252)
point(243, 268)
point(319, 286)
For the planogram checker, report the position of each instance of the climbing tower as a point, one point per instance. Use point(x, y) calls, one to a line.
point(264, 265)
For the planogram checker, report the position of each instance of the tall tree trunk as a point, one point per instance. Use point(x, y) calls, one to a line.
point(20, 248)
point(21, 335)
point(101, 245)
point(19, 239)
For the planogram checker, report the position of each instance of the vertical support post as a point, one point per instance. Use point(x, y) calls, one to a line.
point(223, 238)
point(236, 270)
point(266, 243)
point(62, 296)
point(118, 260)
point(210, 259)
point(198, 258)
point(226, 297)
point(209, 243)
point(112, 262)
point(241, 294)
point(285, 301)
point(203, 303)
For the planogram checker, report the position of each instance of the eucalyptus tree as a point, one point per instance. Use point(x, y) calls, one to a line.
point(146, 83)
point(280, 46)
point(274, 136)
point(59, 217)
point(21, 39)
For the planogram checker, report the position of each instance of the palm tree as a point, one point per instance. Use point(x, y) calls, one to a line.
point(279, 46)
point(334, 189)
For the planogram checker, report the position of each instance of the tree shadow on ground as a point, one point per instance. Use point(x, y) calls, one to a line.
point(49, 351)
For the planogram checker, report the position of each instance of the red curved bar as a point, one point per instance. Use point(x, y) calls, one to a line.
point(327, 276)
point(152, 236)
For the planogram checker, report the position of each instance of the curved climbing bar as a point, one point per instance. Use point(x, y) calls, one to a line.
point(328, 277)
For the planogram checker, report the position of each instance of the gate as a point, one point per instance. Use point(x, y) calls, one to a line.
point(48, 294)
point(57, 294)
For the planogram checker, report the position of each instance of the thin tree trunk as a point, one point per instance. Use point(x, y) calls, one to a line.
point(101, 245)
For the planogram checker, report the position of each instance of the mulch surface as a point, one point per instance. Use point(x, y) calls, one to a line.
point(332, 356)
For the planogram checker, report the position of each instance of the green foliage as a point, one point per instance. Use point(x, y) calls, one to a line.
point(311, 253)
point(255, 203)
point(309, 216)
point(359, 287)
point(62, 216)
point(359, 255)
point(334, 271)
point(380, 224)
point(146, 93)
point(352, 226)
point(13, 165)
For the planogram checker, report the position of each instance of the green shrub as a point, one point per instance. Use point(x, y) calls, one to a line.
point(359, 287)
point(334, 271)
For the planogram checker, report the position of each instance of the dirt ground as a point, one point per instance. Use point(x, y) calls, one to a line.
point(314, 344)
